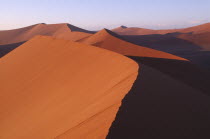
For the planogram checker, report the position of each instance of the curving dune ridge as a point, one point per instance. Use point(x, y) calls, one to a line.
point(26, 33)
point(61, 89)
point(11, 39)
point(68, 86)
point(122, 30)
point(109, 40)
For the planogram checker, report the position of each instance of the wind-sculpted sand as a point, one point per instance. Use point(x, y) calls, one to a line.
point(122, 30)
point(52, 88)
point(78, 84)
point(111, 41)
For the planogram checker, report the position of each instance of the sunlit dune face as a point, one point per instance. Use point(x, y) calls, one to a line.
point(104, 39)
point(64, 31)
point(53, 88)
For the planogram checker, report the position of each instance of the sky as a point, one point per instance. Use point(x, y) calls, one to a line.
point(99, 14)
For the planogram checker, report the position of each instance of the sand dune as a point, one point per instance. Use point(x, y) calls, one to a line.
point(194, 47)
point(24, 34)
point(14, 37)
point(133, 31)
point(52, 88)
point(201, 39)
point(142, 31)
point(111, 41)
point(5, 49)
point(64, 87)
point(197, 29)
point(169, 100)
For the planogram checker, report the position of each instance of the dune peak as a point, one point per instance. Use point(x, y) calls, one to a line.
point(77, 29)
point(65, 85)
point(123, 27)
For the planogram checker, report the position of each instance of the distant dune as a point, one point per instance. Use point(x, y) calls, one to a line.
point(53, 88)
point(111, 41)
point(162, 106)
point(122, 30)
point(128, 83)
point(201, 39)
point(18, 36)
point(190, 43)
point(26, 33)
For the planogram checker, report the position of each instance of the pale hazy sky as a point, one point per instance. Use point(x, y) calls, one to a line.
point(98, 14)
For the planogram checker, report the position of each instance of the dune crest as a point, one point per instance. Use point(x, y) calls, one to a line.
point(143, 31)
point(109, 40)
point(200, 39)
point(55, 30)
point(61, 89)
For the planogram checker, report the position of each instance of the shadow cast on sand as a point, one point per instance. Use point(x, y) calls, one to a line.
point(182, 71)
point(170, 43)
point(164, 103)
point(77, 29)
point(5, 49)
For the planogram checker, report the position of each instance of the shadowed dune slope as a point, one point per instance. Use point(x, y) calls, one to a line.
point(142, 31)
point(56, 30)
point(169, 100)
point(61, 89)
point(133, 31)
point(194, 47)
point(201, 39)
point(111, 41)
point(10, 39)
point(5, 49)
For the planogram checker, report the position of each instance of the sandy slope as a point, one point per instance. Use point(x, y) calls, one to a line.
point(160, 106)
point(142, 31)
point(62, 89)
point(11, 39)
point(191, 43)
point(200, 39)
point(56, 30)
point(111, 41)
point(52, 88)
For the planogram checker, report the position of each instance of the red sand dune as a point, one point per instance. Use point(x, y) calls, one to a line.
point(163, 107)
point(111, 41)
point(191, 43)
point(56, 88)
point(11, 39)
point(56, 30)
point(142, 31)
point(53, 88)
point(133, 31)
point(201, 39)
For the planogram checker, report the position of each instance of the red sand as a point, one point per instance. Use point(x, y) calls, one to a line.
point(201, 39)
point(57, 30)
point(56, 88)
point(52, 88)
point(142, 31)
point(105, 39)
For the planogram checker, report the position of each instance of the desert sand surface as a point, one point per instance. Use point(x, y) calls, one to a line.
point(108, 40)
point(125, 83)
point(190, 43)
point(18, 36)
point(161, 106)
point(191, 47)
point(200, 39)
point(26, 33)
point(123, 30)
point(54, 88)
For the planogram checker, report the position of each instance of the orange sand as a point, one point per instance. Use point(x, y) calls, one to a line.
point(105, 39)
point(52, 88)
point(200, 39)
point(57, 30)
point(142, 31)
